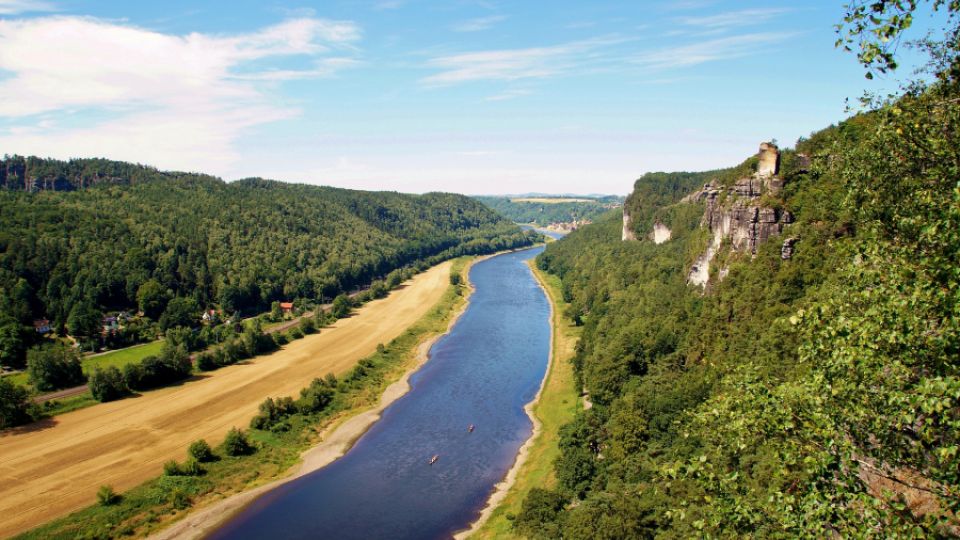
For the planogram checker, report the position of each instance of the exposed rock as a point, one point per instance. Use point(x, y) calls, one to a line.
point(660, 233)
point(700, 271)
point(739, 217)
point(786, 251)
point(803, 163)
point(769, 164)
point(628, 233)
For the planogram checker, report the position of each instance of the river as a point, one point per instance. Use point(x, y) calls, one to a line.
point(483, 373)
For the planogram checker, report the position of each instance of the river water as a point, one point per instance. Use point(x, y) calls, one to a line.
point(483, 372)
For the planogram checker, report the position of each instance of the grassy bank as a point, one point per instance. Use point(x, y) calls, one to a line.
point(161, 501)
point(556, 407)
point(118, 359)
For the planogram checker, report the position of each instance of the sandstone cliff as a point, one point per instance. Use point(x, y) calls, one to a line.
point(736, 214)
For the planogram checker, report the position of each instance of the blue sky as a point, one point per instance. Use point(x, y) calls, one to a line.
point(473, 96)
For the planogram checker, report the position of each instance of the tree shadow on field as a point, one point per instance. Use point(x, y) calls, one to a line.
point(46, 422)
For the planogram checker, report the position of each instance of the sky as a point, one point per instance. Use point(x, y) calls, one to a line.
point(470, 96)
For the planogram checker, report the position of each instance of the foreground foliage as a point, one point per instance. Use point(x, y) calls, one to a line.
point(814, 397)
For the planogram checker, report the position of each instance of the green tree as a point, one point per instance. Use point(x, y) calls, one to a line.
point(15, 405)
point(84, 321)
point(539, 513)
point(107, 384)
point(14, 338)
point(276, 313)
point(236, 443)
point(875, 29)
point(308, 326)
point(180, 312)
point(152, 298)
point(53, 367)
point(341, 306)
point(201, 451)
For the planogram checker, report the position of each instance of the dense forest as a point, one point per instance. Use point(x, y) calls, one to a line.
point(528, 210)
point(85, 237)
point(816, 395)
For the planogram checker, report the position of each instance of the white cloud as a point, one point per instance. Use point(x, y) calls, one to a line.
point(713, 50)
point(514, 64)
point(477, 25)
point(732, 19)
point(175, 101)
point(512, 93)
point(13, 7)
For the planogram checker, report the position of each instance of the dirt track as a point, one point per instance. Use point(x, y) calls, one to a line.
point(50, 469)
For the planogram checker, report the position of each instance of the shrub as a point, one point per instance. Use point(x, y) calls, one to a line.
point(172, 468)
point(296, 334)
point(180, 500)
point(281, 339)
point(273, 412)
point(315, 397)
point(455, 279)
point(237, 443)
point(107, 384)
point(234, 351)
point(341, 306)
point(54, 367)
point(191, 467)
point(106, 496)
point(153, 372)
point(207, 362)
point(308, 326)
point(201, 451)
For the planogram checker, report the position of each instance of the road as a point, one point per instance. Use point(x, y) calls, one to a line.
point(55, 467)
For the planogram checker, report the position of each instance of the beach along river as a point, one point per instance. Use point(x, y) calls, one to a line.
point(482, 373)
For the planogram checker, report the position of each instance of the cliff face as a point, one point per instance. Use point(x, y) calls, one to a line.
point(627, 226)
point(735, 214)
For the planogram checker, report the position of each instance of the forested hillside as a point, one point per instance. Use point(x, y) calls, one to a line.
point(537, 210)
point(806, 394)
point(159, 241)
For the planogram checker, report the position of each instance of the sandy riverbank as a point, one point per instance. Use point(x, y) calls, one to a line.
point(503, 487)
point(335, 443)
point(54, 467)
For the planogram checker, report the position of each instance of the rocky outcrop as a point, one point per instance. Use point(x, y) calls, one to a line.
point(786, 250)
point(628, 233)
point(661, 233)
point(734, 213)
point(769, 160)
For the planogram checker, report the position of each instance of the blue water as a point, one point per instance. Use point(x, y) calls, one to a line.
point(483, 372)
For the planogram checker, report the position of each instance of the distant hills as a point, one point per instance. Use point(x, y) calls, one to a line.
point(95, 235)
point(565, 211)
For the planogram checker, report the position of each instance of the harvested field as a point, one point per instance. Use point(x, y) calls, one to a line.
point(54, 467)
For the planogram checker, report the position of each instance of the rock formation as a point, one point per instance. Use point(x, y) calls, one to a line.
point(627, 226)
point(733, 213)
point(786, 250)
point(661, 233)
point(769, 164)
